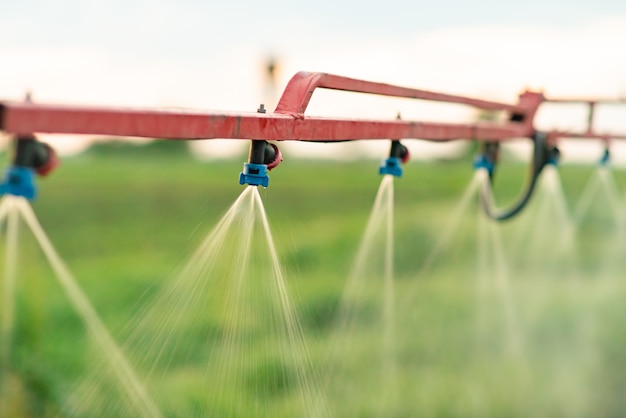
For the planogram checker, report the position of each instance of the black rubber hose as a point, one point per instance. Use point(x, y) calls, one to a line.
point(541, 156)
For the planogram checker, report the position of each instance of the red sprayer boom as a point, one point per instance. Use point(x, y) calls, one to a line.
point(289, 123)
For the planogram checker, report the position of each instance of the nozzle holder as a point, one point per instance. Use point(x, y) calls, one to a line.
point(484, 162)
point(398, 154)
point(29, 158)
point(19, 181)
point(554, 156)
point(488, 157)
point(29, 152)
point(263, 157)
point(606, 158)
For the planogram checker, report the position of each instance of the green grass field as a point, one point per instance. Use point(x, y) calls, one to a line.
point(124, 219)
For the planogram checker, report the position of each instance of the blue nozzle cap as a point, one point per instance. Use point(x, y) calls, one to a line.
point(482, 161)
point(254, 175)
point(391, 165)
point(553, 159)
point(606, 158)
point(19, 181)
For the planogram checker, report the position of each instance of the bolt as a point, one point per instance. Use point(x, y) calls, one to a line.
point(261, 108)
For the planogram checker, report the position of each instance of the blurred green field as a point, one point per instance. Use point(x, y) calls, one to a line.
point(125, 218)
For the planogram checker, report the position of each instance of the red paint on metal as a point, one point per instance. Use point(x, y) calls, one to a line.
point(606, 137)
point(287, 123)
point(590, 132)
point(580, 100)
point(300, 88)
point(23, 118)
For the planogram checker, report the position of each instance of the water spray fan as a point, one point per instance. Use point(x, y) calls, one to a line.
point(288, 122)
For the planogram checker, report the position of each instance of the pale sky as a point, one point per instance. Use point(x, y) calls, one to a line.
point(208, 55)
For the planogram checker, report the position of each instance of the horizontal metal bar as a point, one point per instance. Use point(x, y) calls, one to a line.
point(580, 100)
point(26, 118)
point(286, 123)
point(554, 135)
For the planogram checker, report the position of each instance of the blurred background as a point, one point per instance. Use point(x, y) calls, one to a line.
point(216, 56)
point(486, 320)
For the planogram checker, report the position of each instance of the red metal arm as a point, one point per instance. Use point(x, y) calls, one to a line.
point(287, 123)
point(298, 92)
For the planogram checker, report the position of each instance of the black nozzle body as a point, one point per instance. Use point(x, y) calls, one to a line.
point(261, 152)
point(28, 152)
point(398, 150)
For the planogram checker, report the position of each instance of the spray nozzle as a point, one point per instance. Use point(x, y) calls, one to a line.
point(488, 157)
point(553, 157)
point(606, 157)
point(263, 157)
point(398, 155)
point(30, 157)
point(28, 152)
